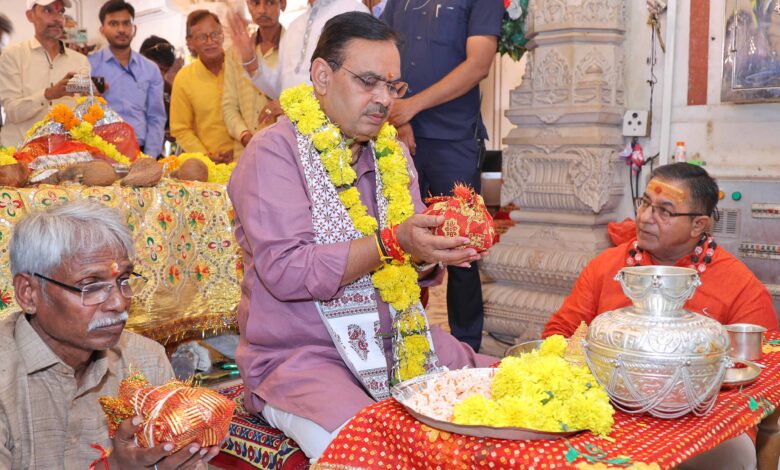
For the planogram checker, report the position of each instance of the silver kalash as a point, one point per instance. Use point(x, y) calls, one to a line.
point(655, 357)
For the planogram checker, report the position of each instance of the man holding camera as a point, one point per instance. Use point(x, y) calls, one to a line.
point(34, 74)
point(136, 85)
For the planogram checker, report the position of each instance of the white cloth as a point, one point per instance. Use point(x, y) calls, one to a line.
point(293, 66)
point(25, 73)
point(310, 436)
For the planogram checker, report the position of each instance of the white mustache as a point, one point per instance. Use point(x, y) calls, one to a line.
point(107, 321)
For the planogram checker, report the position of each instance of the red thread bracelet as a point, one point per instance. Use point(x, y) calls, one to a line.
point(103, 457)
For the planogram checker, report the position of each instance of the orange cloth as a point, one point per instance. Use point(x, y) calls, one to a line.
point(729, 293)
point(621, 232)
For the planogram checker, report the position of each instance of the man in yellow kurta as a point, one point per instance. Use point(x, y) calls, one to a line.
point(196, 115)
point(245, 108)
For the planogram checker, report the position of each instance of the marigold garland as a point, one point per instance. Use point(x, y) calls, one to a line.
point(540, 390)
point(396, 282)
point(85, 134)
point(7, 156)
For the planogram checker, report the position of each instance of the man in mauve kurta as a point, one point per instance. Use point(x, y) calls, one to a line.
point(293, 371)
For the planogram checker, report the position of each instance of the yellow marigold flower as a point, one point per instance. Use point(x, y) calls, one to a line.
point(555, 345)
point(416, 345)
point(350, 197)
point(541, 391)
point(388, 131)
point(366, 225)
point(327, 138)
point(170, 164)
point(7, 156)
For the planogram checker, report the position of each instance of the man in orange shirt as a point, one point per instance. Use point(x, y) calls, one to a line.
point(672, 218)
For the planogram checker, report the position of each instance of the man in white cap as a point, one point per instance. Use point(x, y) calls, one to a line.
point(33, 74)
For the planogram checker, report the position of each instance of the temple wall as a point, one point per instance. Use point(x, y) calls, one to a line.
point(590, 63)
point(735, 140)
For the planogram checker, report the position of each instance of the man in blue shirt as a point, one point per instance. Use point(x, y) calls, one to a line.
point(448, 48)
point(135, 84)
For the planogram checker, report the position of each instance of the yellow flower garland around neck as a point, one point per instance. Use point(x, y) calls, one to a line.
point(396, 282)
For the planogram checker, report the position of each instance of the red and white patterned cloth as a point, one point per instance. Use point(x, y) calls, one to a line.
point(384, 435)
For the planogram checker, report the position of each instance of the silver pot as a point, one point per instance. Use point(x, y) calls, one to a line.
point(655, 357)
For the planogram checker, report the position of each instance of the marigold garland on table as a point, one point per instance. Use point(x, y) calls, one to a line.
point(540, 390)
point(85, 134)
point(7, 156)
point(395, 281)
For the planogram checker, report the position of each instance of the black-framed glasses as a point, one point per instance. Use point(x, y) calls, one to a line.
point(661, 213)
point(372, 83)
point(215, 36)
point(98, 292)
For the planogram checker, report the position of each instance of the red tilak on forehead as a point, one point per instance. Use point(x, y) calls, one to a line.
point(114, 268)
point(390, 76)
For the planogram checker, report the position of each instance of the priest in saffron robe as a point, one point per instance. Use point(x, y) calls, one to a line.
point(672, 219)
point(334, 246)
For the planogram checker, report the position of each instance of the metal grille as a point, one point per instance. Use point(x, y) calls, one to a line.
point(727, 224)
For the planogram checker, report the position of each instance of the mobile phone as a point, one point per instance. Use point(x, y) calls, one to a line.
point(100, 83)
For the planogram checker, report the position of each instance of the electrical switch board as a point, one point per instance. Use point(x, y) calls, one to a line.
point(763, 210)
point(759, 250)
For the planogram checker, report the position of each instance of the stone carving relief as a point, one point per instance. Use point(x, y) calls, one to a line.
point(553, 79)
point(549, 11)
point(593, 79)
point(599, 11)
point(515, 175)
point(620, 84)
point(589, 11)
point(592, 175)
point(549, 118)
point(522, 96)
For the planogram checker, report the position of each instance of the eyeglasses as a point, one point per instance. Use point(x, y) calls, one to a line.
point(98, 292)
point(372, 83)
point(661, 213)
point(215, 36)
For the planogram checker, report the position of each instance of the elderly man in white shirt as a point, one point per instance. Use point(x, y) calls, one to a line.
point(295, 49)
point(34, 73)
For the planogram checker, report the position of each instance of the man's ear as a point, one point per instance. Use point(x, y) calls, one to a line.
point(26, 292)
point(321, 75)
point(701, 223)
point(283, 4)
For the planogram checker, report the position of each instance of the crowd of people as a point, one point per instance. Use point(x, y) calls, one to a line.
point(327, 201)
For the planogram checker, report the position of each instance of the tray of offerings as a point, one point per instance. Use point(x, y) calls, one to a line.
point(431, 399)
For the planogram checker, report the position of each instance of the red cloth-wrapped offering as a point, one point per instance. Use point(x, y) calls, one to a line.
point(173, 412)
point(465, 215)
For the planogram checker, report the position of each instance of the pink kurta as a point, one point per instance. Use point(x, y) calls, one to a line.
point(285, 354)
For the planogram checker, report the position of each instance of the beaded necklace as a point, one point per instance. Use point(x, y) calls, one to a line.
point(705, 246)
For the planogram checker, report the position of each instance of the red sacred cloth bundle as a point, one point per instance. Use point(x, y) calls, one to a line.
point(465, 215)
point(173, 412)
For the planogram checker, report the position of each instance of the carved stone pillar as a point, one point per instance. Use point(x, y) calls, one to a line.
point(561, 167)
